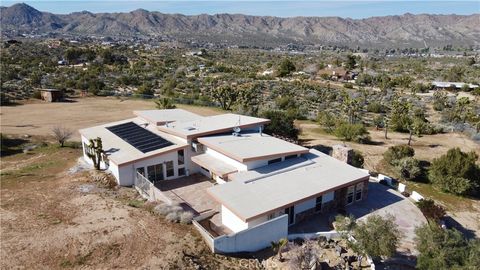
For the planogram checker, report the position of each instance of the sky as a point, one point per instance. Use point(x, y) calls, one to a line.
point(352, 9)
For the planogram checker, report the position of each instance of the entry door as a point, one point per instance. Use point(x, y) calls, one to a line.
point(290, 211)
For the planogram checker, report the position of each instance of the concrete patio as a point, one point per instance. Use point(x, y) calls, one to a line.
point(382, 201)
point(191, 193)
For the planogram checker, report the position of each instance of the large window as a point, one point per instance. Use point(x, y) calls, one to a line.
point(350, 192)
point(318, 204)
point(155, 173)
point(170, 169)
point(274, 161)
point(181, 171)
point(181, 157)
point(358, 191)
point(141, 171)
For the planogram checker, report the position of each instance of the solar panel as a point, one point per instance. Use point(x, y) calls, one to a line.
point(138, 137)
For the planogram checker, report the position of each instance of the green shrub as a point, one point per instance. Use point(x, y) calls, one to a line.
point(375, 107)
point(395, 153)
point(409, 168)
point(456, 172)
point(352, 132)
point(430, 210)
point(357, 159)
point(348, 85)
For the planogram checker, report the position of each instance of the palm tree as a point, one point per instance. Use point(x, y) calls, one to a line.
point(278, 247)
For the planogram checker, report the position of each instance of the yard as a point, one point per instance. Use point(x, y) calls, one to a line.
point(54, 216)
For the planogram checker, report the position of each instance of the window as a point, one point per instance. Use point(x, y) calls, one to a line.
point(274, 161)
point(141, 171)
point(155, 173)
point(170, 169)
point(181, 157)
point(358, 191)
point(318, 204)
point(350, 192)
point(290, 157)
point(181, 171)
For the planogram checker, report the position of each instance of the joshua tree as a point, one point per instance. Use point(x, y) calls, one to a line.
point(278, 247)
point(95, 152)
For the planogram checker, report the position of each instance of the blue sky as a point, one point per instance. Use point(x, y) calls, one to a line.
point(282, 8)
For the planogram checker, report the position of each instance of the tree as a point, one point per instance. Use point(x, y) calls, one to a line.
point(397, 152)
point(278, 247)
point(440, 100)
point(456, 172)
point(376, 236)
point(351, 132)
point(281, 124)
point(225, 95)
point(286, 67)
point(61, 134)
point(145, 90)
point(351, 62)
point(95, 152)
point(164, 103)
point(327, 120)
point(442, 249)
point(431, 210)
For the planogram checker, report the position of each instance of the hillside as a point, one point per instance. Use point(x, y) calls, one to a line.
point(390, 31)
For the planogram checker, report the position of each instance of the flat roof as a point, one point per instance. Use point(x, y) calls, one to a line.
point(120, 151)
point(251, 146)
point(254, 193)
point(211, 124)
point(215, 165)
point(160, 117)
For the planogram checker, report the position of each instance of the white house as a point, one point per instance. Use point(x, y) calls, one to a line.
point(263, 184)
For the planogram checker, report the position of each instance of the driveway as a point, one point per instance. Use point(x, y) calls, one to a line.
point(382, 201)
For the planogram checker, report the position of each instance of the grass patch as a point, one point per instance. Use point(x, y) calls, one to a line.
point(135, 203)
point(450, 201)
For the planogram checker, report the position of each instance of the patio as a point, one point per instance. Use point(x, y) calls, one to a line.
point(381, 200)
point(191, 193)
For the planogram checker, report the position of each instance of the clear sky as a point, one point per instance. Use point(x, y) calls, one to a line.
point(282, 8)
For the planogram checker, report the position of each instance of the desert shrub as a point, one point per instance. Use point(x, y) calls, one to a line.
point(135, 203)
point(348, 85)
point(186, 217)
point(430, 210)
point(456, 172)
point(173, 216)
point(352, 132)
point(409, 168)
point(304, 256)
point(375, 107)
point(395, 153)
point(357, 159)
point(164, 209)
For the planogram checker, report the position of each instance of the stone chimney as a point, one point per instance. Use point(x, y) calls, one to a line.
point(342, 153)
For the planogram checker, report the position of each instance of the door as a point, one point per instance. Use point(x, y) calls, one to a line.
point(290, 211)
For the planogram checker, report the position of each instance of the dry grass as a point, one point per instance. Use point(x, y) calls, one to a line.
point(38, 118)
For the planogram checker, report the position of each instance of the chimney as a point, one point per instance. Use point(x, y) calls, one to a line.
point(342, 153)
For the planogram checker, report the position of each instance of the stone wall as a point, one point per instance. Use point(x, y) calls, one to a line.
point(342, 153)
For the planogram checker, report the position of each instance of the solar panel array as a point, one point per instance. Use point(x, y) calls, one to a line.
point(139, 137)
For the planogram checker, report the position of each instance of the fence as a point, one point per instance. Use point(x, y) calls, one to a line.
point(148, 190)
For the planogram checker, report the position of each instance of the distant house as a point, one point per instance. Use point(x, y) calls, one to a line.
point(51, 95)
point(452, 85)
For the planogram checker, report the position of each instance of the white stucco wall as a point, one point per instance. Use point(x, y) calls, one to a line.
point(231, 221)
point(238, 165)
point(254, 238)
point(304, 206)
point(327, 197)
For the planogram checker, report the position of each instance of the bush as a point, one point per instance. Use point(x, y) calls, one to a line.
point(430, 210)
point(395, 153)
point(173, 216)
point(357, 159)
point(456, 172)
point(186, 217)
point(375, 107)
point(409, 168)
point(352, 132)
point(348, 85)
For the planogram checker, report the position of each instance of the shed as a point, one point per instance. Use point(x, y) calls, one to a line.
point(51, 95)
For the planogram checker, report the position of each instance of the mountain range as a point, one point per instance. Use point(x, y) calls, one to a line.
point(402, 31)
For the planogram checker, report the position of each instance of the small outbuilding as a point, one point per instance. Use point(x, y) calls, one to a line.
point(51, 95)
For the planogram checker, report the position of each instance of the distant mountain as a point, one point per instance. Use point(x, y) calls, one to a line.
point(390, 31)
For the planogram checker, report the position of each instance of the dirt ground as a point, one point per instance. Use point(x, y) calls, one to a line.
point(53, 218)
point(36, 117)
